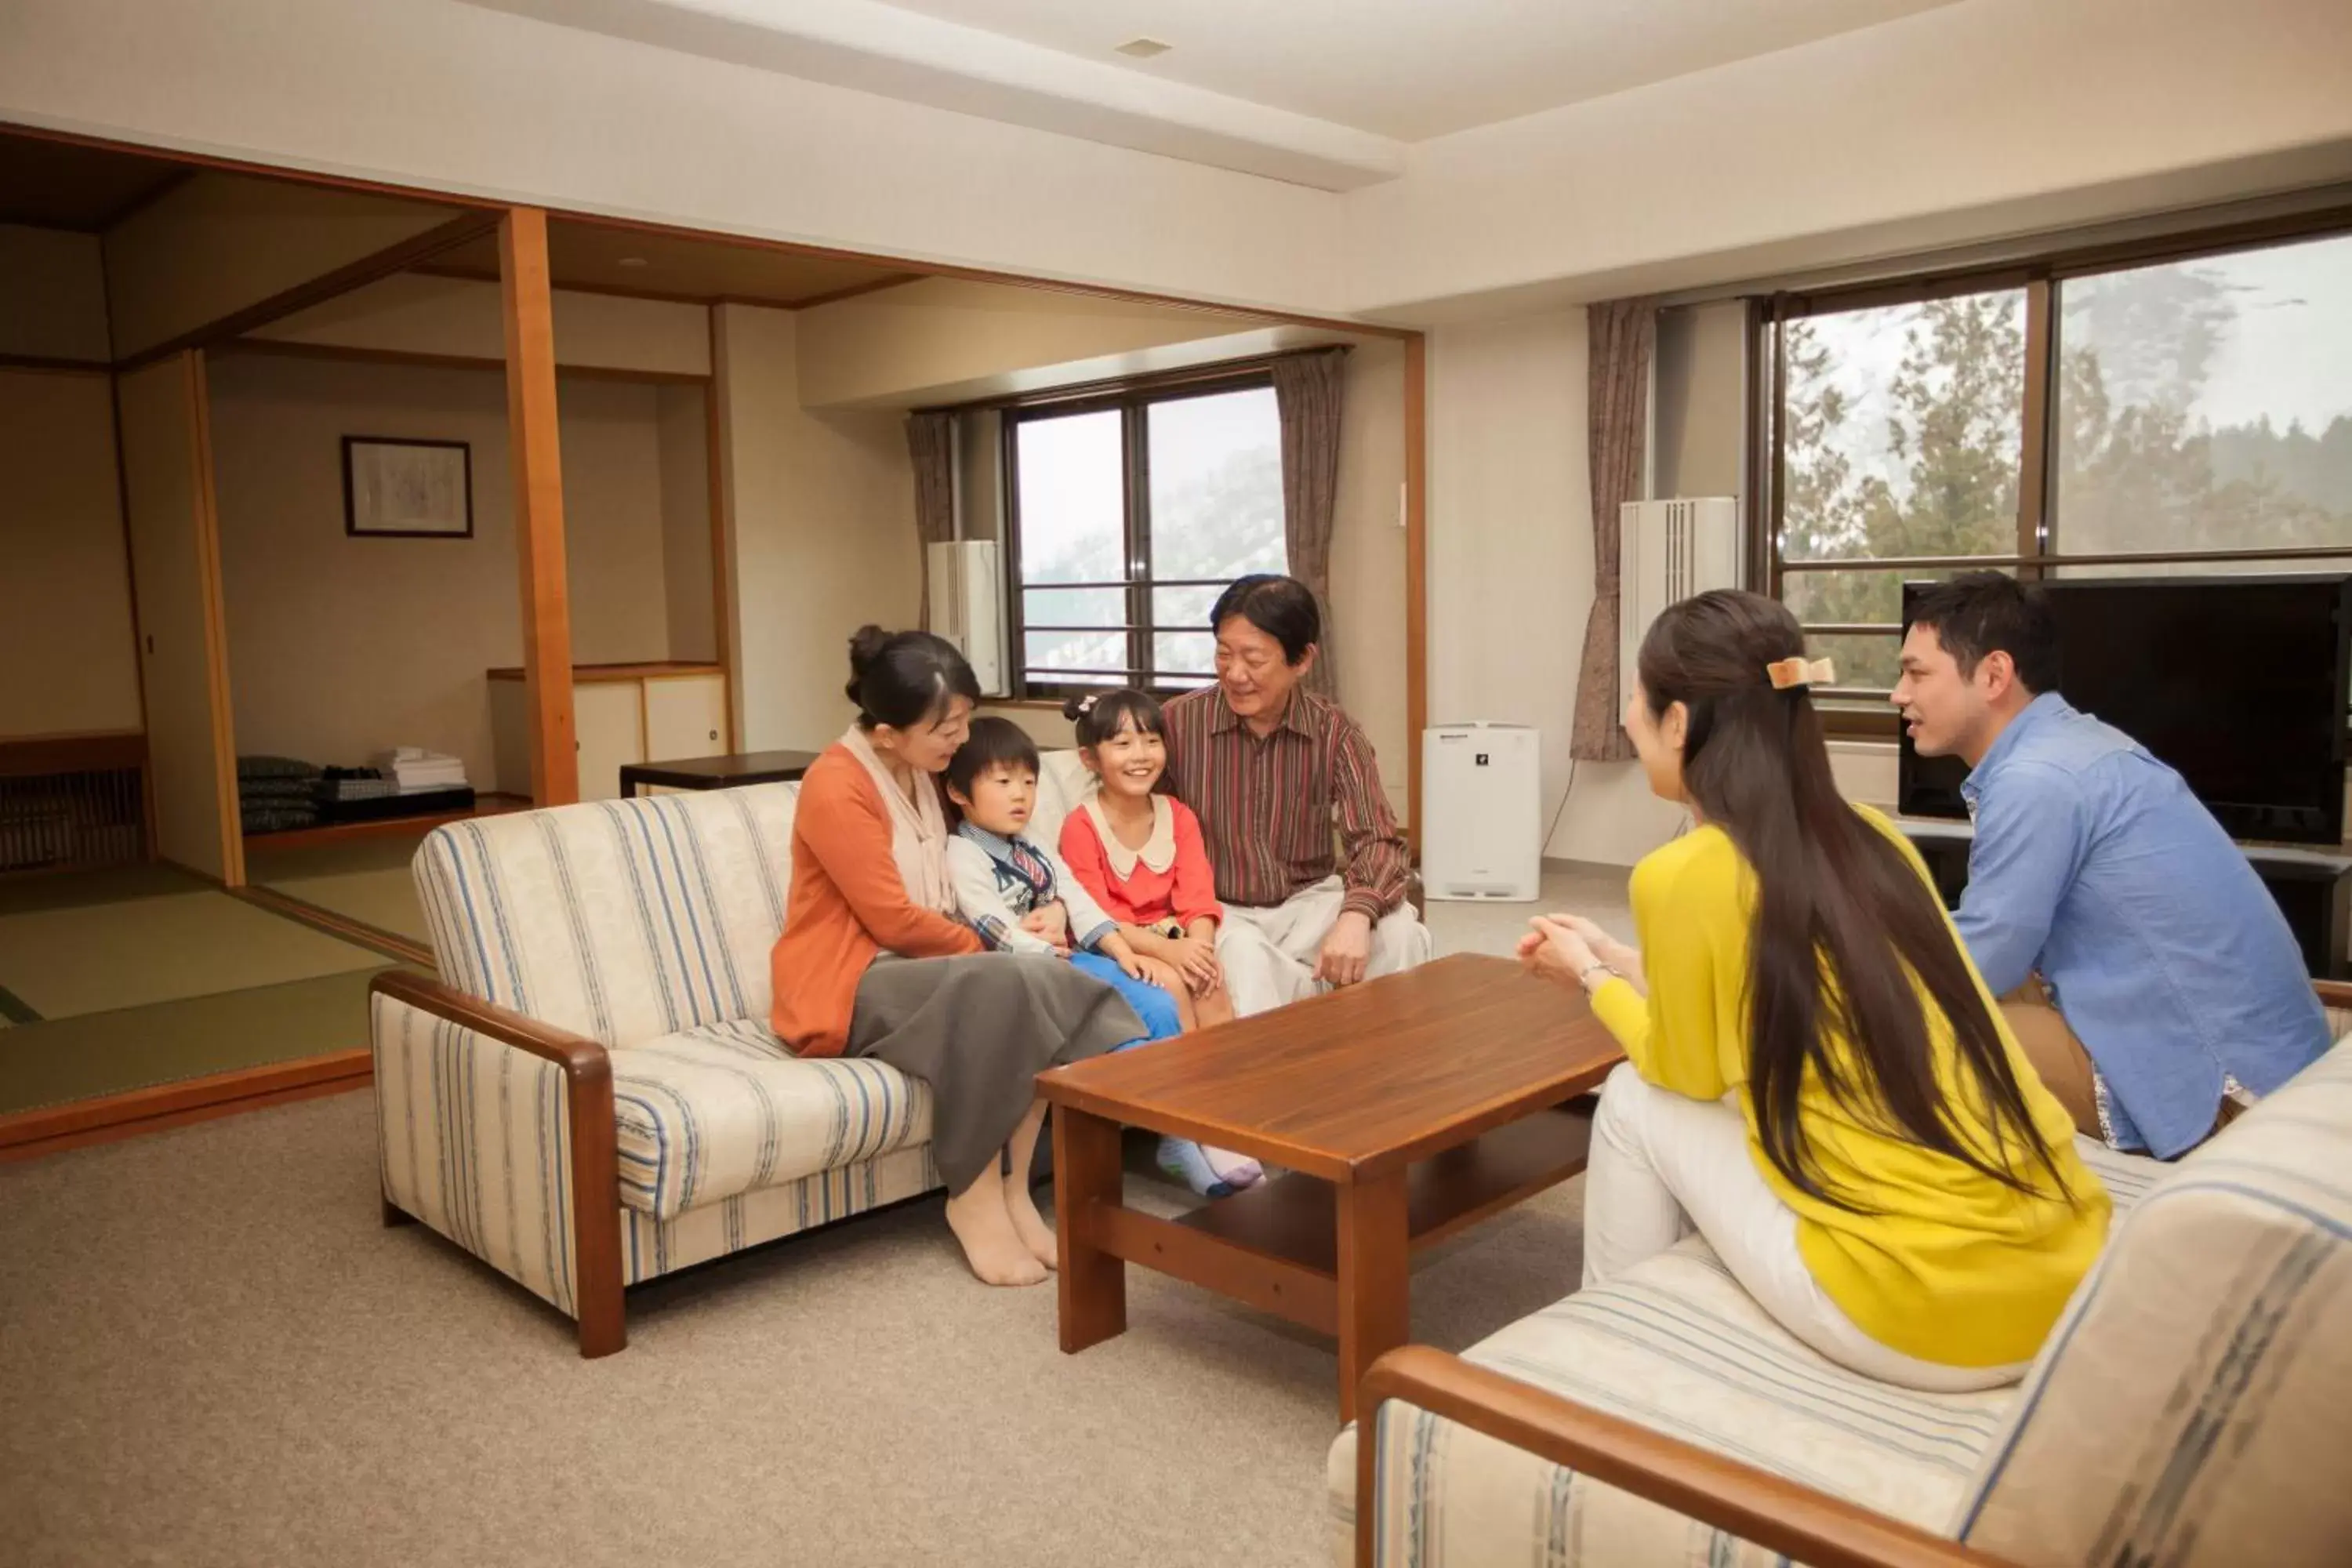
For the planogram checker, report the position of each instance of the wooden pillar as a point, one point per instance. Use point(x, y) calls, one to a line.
point(1416, 575)
point(524, 289)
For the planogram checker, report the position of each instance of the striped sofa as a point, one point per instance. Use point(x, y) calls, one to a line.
point(2193, 1407)
point(589, 1096)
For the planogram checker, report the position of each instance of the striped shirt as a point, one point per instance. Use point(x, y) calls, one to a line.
point(1267, 804)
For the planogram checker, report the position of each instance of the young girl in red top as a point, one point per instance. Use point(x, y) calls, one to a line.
point(1141, 856)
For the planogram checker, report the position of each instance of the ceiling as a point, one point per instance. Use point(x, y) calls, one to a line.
point(589, 257)
point(1417, 68)
point(57, 184)
point(1327, 93)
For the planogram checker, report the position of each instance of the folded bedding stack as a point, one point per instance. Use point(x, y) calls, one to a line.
point(275, 795)
point(415, 771)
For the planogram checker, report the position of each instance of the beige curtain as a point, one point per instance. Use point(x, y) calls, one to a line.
point(1307, 390)
point(931, 443)
point(1621, 334)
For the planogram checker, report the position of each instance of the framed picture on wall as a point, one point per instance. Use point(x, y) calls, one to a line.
point(394, 487)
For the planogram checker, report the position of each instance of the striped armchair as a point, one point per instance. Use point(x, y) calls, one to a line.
point(2192, 1408)
point(589, 1095)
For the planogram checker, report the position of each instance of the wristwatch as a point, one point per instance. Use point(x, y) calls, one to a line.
point(1597, 966)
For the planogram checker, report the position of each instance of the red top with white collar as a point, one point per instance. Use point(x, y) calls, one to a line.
point(1168, 880)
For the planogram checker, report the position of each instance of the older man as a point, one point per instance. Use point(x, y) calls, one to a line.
point(1269, 768)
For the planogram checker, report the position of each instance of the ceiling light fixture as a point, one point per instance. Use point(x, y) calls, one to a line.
point(1143, 48)
point(633, 261)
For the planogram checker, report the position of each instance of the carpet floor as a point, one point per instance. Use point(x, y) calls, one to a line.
point(215, 1355)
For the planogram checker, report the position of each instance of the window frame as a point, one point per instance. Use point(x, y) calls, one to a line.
point(1132, 399)
point(2038, 548)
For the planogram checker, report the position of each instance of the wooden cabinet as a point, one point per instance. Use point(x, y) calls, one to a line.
point(621, 713)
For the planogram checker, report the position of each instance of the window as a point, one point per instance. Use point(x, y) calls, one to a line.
point(1129, 514)
point(2106, 415)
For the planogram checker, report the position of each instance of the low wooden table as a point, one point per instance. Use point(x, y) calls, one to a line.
point(718, 772)
point(1406, 1109)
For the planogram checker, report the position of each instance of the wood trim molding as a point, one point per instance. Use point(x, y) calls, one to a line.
point(596, 1168)
point(535, 441)
point(72, 753)
point(326, 286)
point(357, 932)
point(1417, 576)
point(30, 1134)
point(49, 364)
point(283, 349)
point(2333, 993)
point(1801, 1524)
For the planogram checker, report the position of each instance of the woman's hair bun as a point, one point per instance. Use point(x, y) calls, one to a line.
point(866, 646)
point(1077, 706)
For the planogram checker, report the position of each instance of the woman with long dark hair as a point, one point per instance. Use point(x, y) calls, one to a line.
point(1892, 1182)
point(872, 962)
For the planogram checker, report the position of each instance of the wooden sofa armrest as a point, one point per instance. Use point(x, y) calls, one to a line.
point(596, 1165)
point(1807, 1526)
point(2334, 993)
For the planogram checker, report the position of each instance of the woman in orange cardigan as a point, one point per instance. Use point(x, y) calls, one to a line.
point(873, 962)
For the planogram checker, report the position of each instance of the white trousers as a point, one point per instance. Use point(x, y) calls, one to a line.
point(1270, 953)
point(1663, 1164)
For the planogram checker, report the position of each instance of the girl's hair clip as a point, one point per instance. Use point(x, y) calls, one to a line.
point(1789, 673)
point(1087, 703)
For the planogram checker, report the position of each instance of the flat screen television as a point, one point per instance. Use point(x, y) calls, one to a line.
point(2244, 684)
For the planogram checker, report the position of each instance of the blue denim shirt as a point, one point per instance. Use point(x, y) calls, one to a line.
point(2094, 866)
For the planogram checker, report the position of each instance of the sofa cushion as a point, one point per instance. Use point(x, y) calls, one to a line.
point(722, 1108)
point(1676, 1344)
point(2187, 1404)
point(625, 921)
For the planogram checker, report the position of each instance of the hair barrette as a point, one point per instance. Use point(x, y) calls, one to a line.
point(1787, 674)
point(1087, 703)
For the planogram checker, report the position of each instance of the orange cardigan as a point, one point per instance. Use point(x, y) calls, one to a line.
point(847, 904)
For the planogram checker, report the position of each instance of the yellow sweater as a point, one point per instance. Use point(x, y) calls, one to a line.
point(1953, 1267)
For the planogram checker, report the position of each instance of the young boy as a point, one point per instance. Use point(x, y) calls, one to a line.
point(1003, 881)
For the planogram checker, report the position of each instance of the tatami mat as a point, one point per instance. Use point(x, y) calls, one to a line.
point(137, 1047)
point(95, 957)
point(385, 900)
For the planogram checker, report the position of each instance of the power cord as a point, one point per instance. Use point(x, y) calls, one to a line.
point(1556, 815)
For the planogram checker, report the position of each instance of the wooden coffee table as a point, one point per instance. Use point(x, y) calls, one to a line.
point(1406, 1109)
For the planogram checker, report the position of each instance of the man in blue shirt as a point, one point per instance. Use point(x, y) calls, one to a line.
point(2095, 868)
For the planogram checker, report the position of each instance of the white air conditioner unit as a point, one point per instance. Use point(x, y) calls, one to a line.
point(968, 607)
point(1482, 817)
point(1668, 551)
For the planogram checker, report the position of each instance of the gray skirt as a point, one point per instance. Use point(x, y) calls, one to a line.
point(979, 1028)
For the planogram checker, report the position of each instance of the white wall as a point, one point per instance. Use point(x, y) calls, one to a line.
point(1510, 565)
point(67, 660)
point(683, 425)
point(943, 338)
point(819, 512)
point(217, 243)
point(1965, 121)
point(451, 97)
point(339, 648)
point(52, 294)
point(414, 313)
